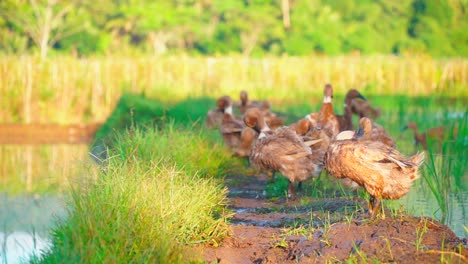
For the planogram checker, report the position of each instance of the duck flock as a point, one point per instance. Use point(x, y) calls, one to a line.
point(299, 151)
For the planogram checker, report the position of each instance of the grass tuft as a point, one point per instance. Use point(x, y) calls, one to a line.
point(147, 203)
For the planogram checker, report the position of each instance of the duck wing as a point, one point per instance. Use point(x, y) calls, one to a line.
point(231, 127)
point(380, 157)
point(273, 151)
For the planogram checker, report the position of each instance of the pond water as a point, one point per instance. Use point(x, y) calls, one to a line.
point(32, 182)
point(25, 222)
point(421, 202)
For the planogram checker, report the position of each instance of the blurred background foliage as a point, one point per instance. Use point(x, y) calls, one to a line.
point(224, 27)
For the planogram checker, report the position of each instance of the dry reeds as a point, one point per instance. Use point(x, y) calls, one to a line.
point(72, 90)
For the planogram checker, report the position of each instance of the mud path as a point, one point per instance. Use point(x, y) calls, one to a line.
point(311, 230)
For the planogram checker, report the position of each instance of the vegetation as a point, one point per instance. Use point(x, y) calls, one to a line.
point(69, 90)
point(160, 189)
point(149, 200)
point(250, 27)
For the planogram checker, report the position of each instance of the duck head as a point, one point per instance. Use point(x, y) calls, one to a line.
point(313, 119)
point(253, 118)
point(328, 93)
point(410, 125)
point(244, 97)
point(303, 126)
point(224, 104)
point(365, 128)
point(352, 94)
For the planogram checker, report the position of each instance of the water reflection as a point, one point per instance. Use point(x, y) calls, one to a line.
point(421, 202)
point(18, 247)
point(25, 222)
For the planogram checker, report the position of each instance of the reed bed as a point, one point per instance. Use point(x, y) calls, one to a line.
point(72, 90)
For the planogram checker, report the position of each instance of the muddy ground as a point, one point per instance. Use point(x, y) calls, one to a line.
point(311, 230)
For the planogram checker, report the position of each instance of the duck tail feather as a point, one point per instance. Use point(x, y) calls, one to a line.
point(312, 142)
point(418, 158)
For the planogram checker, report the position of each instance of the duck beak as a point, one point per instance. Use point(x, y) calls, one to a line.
point(362, 97)
point(359, 133)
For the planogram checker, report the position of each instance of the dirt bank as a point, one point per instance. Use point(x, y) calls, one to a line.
point(325, 230)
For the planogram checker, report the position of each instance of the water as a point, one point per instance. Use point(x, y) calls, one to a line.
point(25, 222)
point(18, 247)
point(420, 202)
point(26, 217)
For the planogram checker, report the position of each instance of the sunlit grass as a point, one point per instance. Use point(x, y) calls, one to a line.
point(71, 90)
point(152, 197)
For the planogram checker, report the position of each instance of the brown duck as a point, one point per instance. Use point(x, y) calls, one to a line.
point(236, 136)
point(309, 129)
point(362, 108)
point(375, 132)
point(437, 134)
point(380, 169)
point(214, 117)
point(248, 137)
point(326, 116)
point(346, 120)
point(246, 104)
point(282, 150)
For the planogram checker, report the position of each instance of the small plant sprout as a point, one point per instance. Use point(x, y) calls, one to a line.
point(326, 230)
point(420, 231)
point(389, 246)
point(360, 253)
point(349, 217)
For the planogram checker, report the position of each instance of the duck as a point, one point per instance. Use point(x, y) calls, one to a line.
point(246, 104)
point(326, 116)
point(376, 132)
point(214, 117)
point(346, 120)
point(235, 134)
point(382, 170)
point(272, 119)
point(247, 138)
point(362, 108)
point(282, 150)
point(309, 129)
point(434, 133)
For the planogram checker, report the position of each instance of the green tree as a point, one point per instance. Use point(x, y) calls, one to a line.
point(44, 21)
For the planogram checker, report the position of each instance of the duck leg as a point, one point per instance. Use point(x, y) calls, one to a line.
point(291, 191)
point(299, 186)
point(371, 205)
point(374, 206)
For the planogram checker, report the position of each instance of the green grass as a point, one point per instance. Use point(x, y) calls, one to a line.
point(154, 196)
